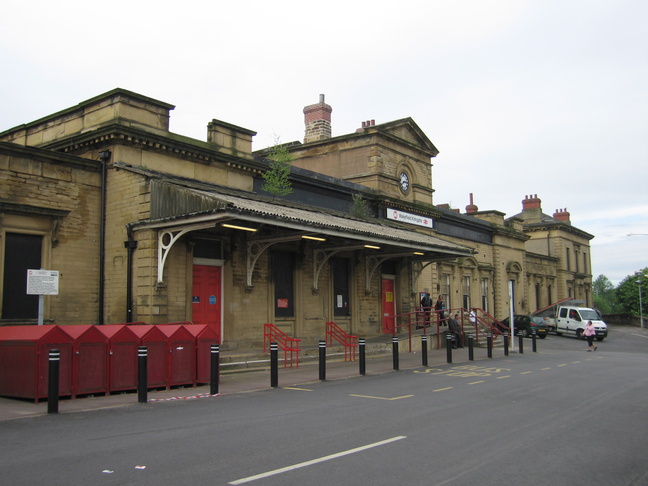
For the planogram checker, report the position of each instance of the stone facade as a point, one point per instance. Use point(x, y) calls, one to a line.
point(174, 205)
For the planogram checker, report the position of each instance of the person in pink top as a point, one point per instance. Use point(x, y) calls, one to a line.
point(590, 333)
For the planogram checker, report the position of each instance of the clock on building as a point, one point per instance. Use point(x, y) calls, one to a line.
point(404, 181)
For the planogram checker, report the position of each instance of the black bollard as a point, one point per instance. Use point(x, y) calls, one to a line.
point(424, 356)
point(274, 365)
point(322, 360)
point(506, 344)
point(449, 347)
point(361, 350)
point(53, 383)
point(489, 344)
point(142, 374)
point(215, 369)
point(395, 352)
point(471, 353)
point(521, 344)
point(533, 342)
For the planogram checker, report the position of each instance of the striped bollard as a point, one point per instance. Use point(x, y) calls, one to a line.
point(424, 352)
point(274, 365)
point(449, 347)
point(215, 369)
point(533, 342)
point(53, 383)
point(142, 374)
point(395, 352)
point(521, 344)
point(489, 344)
point(361, 350)
point(506, 344)
point(322, 360)
point(471, 353)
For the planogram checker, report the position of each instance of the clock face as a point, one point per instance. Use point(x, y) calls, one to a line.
point(404, 182)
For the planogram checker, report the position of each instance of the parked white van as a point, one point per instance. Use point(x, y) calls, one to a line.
point(572, 320)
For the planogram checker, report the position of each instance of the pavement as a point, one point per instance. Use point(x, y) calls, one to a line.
point(255, 379)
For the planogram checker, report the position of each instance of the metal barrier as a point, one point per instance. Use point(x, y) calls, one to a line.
point(290, 346)
point(350, 343)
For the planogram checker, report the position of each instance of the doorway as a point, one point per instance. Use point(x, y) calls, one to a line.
point(388, 306)
point(207, 297)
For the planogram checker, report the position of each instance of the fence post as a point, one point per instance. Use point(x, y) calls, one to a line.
point(489, 344)
point(424, 351)
point(533, 342)
point(322, 360)
point(53, 383)
point(361, 349)
point(395, 352)
point(506, 344)
point(215, 369)
point(142, 374)
point(521, 344)
point(274, 365)
point(471, 355)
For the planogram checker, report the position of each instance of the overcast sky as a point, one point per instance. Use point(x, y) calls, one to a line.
point(545, 97)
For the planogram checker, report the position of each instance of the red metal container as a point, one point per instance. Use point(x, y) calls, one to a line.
point(157, 345)
point(89, 359)
point(24, 360)
point(205, 336)
point(122, 356)
point(182, 354)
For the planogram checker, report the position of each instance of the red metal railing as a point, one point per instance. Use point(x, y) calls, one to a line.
point(350, 343)
point(484, 323)
point(290, 346)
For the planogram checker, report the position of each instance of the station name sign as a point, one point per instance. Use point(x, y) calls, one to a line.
point(410, 218)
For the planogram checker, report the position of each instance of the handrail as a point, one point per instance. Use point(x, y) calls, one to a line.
point(350, 343)
point(486, 323)
point(290, 346)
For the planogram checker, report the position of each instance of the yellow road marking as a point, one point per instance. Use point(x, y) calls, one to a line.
point(476, 382)
point(443, 389)
point(575, 362)
point(544, 369)
point(526, 372)
point(293, 388)
point(381, 398)
point(565, 364)
point(500, 377)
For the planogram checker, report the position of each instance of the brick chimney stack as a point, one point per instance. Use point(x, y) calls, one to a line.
point(531, 202)
point(562, 215)
point(471, 208)
point(317, 119)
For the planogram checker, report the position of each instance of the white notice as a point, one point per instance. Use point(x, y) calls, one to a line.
point(42, 282)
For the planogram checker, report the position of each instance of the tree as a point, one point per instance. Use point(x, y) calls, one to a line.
point(277, 177)
point(360, 208)
point(628, 292)
point(605, 297)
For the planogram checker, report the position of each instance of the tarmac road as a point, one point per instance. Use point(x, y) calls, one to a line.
point(562, 416)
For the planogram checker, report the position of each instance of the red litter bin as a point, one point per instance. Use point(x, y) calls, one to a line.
point(89, 359)
point(24, 360)
point(205, 336)
point(157, 345)
point(122, 356)
point(182, 354)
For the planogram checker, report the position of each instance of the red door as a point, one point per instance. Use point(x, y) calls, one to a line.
point(388, 306)
point(207, 297)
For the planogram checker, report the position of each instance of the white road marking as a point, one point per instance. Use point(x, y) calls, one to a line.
point(316, 461)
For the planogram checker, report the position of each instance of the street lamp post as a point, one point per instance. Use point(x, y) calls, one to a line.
point(640, 304)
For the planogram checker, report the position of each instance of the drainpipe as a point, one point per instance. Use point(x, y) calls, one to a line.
point(131, 245)
point(104, 156)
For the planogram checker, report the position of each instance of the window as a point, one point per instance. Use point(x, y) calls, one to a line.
point(567, 261)
point(341, 287)
point(466, 292)
point(445, 289)
point(550, 299)
point(537, 295)
point(585, 263)
point(22, 252)
point(284, 283)
point(484, 294)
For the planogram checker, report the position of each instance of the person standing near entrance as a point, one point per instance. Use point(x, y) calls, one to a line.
point(589, 334)
point(439, 307)
point(426, 307)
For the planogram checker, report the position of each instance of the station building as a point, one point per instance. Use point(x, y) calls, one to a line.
point(145, 225)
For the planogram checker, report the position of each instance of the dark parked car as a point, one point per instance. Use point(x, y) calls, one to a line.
point(525, 325)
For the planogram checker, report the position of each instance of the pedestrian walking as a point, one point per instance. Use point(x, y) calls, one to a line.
point(589, 334)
